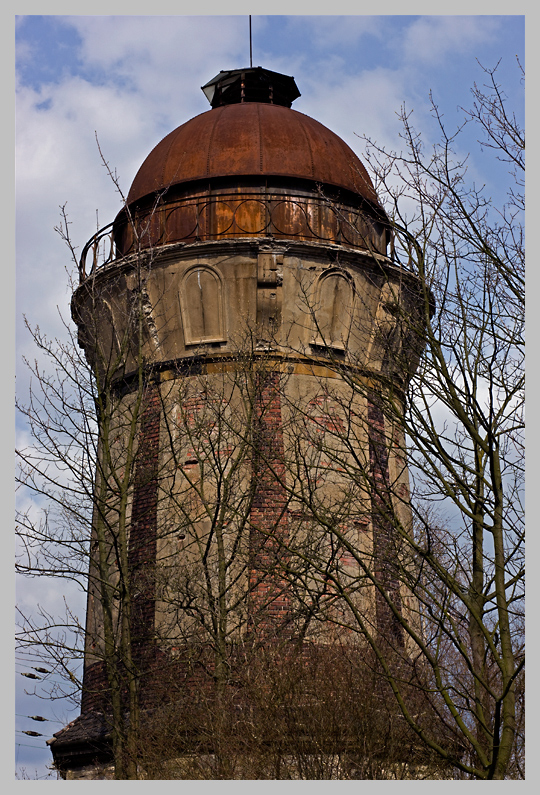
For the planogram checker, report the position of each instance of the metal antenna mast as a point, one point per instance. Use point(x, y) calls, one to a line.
point(250, 45)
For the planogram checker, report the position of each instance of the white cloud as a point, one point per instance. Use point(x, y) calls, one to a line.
point(331, 32)
point(354, 106)
point(434, 38)
point(158, 57)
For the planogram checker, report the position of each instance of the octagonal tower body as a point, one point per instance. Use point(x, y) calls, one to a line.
point(248, 308)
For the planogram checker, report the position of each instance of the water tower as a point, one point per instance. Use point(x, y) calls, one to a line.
point(246, 305)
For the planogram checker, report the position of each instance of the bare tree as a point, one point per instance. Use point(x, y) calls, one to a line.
point(449, 576)
point(242, 564)
point(154, 492)
point(89, 466)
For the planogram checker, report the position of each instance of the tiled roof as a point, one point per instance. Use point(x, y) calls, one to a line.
point(88, 727)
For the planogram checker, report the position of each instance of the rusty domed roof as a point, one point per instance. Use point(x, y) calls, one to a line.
point(252, 139)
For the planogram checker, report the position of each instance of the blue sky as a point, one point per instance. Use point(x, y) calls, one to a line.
point(130, 80)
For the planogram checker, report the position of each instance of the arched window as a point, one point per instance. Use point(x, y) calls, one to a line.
point(333, 310)
point(201, 303)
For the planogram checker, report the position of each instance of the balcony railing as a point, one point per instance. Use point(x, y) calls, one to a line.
point(246, 214)
point(98, 252)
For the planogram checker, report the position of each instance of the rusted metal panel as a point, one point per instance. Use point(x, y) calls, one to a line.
point(241, 212)
point(251, 139)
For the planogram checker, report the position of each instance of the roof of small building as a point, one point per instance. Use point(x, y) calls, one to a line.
point(89, 726)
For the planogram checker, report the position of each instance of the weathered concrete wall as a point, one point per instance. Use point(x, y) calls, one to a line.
point(210, 298)
point(210, 316)
point(259, 435)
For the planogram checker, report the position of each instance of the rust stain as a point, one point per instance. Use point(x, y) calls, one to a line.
point(251, 139)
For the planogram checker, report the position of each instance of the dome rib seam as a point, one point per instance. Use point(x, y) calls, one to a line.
point(210, 138)
point(306, 136)
point(260, 139)
point(165, 161)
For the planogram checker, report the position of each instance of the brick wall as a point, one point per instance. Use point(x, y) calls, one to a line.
point(384, 534)
point(142, 539)
point(141, 555)
point(269, 599)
